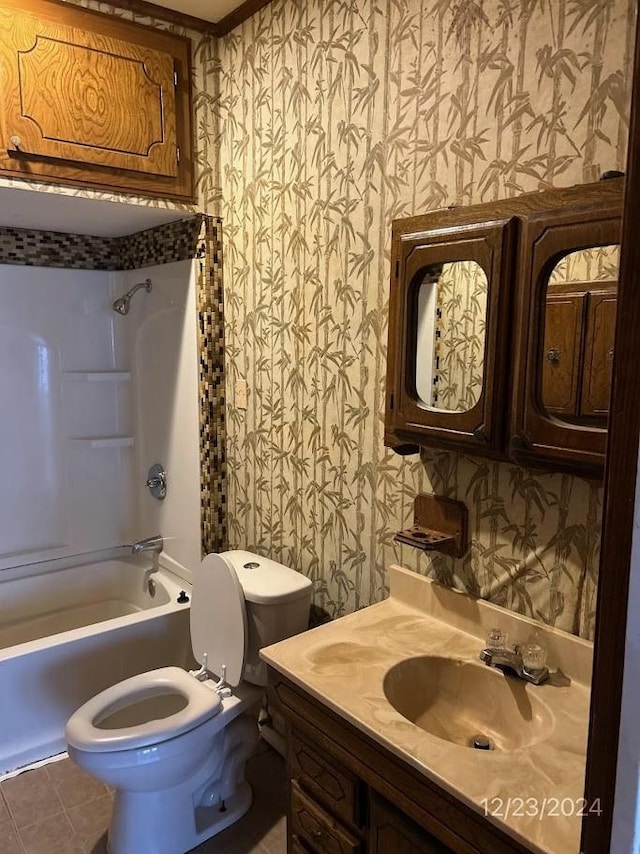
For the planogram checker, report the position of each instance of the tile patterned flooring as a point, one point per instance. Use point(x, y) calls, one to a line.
point(59, 809)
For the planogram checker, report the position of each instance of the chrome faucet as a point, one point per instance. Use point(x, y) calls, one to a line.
point(526, 662)
point(151, 544)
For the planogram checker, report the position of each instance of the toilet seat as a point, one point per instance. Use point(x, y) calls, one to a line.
point(83, 730)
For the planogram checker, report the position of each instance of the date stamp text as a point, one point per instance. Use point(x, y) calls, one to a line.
point(539, 808)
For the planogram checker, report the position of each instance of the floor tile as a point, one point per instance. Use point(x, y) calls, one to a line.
point(52, 835)
point(91, 818)
point(4, 812)
point(9, 839)
point(30, 796)
point(73, 785)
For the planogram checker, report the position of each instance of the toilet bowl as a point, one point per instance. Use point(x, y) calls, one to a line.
point(174, 743)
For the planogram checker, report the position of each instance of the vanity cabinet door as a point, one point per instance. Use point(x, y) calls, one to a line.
point(391, 831)
point(92, 98)
point(334, 787)
point(563, 332)
point(311, 827)
point(451, 277)
point(598, 360)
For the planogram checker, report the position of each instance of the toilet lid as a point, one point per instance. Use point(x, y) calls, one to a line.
point(218, 618)
point(143, 710)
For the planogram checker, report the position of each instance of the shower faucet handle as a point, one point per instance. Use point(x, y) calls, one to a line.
point(157, 481)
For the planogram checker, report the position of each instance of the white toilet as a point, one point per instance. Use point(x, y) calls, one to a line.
point(174, 743)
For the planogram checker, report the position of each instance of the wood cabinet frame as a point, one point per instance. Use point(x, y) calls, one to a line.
point(490, 244)
point(508, 422)
point(535, 434)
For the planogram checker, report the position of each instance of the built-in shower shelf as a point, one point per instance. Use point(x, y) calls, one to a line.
point(98, 376)
point(106, 441)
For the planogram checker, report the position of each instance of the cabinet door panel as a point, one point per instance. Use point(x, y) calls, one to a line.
point(538, 437)
point(561, 353)
point(601, 328)
point(316, 829)
point(416, 254)
point(92, 100)
point(78, 96)
point(391, 831)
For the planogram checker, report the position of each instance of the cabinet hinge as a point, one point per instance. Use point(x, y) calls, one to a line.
point(177, 154)
point(391, 401)
point(175, 78)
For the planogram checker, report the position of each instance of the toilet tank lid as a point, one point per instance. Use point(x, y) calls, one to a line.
point(265, 581)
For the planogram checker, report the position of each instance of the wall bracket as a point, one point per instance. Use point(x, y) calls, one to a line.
point(439, 524)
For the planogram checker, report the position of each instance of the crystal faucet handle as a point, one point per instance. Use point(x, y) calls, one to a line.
point(497, 639)
point(534, 656)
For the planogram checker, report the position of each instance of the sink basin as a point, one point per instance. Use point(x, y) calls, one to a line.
point(458, 701)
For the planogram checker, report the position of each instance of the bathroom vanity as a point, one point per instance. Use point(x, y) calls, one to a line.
point(382, 707)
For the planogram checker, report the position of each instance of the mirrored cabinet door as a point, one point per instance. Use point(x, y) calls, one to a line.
point(566, 313)
point(447, 358)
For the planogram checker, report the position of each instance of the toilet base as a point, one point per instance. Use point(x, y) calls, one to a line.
point(210, 821)
point(176, 819)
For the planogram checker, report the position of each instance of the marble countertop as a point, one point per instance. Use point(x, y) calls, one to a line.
point(532, 792)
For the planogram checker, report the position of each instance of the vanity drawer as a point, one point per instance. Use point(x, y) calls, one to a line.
point(311, 827)
point(326, 780)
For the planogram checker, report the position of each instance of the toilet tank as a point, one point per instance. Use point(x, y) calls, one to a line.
point(277, 601)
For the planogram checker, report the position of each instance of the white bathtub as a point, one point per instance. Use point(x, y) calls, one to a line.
point(69, 630)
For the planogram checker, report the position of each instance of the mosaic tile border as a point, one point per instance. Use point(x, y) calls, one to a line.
point(213, 489)
point(30, 248)
point(163, 244)
point(197, 237)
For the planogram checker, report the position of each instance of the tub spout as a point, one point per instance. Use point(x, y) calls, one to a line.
point(151, 544)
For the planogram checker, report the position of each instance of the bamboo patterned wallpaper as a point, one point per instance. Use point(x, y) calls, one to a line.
point(337, 117)
point(460, 328)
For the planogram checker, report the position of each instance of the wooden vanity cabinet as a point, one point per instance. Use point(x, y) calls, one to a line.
point(350, 795)
point(91, 100)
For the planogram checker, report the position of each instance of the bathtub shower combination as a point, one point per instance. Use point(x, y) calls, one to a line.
point(72, 627)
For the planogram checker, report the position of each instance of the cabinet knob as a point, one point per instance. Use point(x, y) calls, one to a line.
point(15, 141)
point(610, 354)
point(553, 355)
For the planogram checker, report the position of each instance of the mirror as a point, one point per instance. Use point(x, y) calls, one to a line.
point(450, 346)
point(579, 329)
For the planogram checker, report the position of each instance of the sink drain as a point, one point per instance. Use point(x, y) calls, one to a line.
point(480, 742)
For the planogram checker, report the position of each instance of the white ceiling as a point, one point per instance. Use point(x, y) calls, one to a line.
point(208, 10)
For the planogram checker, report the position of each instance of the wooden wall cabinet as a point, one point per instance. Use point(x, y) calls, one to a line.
point(531, 408)
point(349, 795)
point(91, 100)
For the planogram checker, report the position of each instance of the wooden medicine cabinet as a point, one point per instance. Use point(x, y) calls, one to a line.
point(501, 327)
point(91, 100)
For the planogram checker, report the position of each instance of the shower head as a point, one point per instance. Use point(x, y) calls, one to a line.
point(121, 305)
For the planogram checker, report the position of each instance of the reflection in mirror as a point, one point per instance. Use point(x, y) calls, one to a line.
point(579, 328)
point(452, 314)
